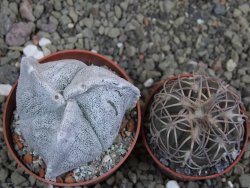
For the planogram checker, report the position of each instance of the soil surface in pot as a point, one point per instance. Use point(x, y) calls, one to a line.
point(91, 170)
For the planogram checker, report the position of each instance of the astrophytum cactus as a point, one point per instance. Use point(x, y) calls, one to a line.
point(197, 125)
point(70, 112)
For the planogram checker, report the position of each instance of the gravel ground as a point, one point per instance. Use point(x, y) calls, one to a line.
point(151, 40)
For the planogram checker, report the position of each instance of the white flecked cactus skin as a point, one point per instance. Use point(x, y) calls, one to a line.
point(70, 112)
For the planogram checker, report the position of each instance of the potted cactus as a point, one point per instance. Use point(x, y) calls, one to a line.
point(67, 116)
point(195, 127)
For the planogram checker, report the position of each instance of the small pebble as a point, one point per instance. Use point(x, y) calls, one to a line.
point(119, 44)
point(17, 179)
point(5, 89)
point(111, 181)
point(44, 42)
point(42, 172)
point(59, 180)
point(30, 50)
point(46, 51)
point(172, 184)
point(16, 137)
point(245, 8)
point(244, 180)
point(19, 145)
point(28, 158)
point(18, 34)
point(230, 184)
point(114, 32)
point(106, 159)
point(200, 21)
point(69, 179)
point(131, 125)
point(231, 65)
point(3, 174)
point(26, 10)
point(94, 51)
point(38, 55)
point(219, 9)
point(132, 177)
point(35, 40)
point(149, 82)
point(70, 25)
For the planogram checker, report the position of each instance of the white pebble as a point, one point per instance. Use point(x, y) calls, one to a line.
point(70, 25)
point(128, 133)
point(149, 82)
point(231, 65)
point(94, 51)
point(191, 62)
point(223, 179)
point(5, 89)
point(30, 50)
point(230, 184)
point(38, 55)
point(44, 42)
point(119, 44)
point(77, 170)
point(172, 184)
point(77, 178)
point(46, 51)
point(106, 159)
point(200, 21)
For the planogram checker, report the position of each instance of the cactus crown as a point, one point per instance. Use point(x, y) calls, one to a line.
point(196, 123)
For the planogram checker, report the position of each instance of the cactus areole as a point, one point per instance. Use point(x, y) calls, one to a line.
point(195, 126)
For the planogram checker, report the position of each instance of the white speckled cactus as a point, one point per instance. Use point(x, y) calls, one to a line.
point(70, 112)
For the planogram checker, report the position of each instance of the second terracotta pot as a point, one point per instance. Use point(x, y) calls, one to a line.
point(168, 171)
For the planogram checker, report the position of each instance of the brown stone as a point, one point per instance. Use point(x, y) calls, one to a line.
point(69, 179)
point(123, 126)
point(131, 125)
point(35, 39)
point(59, 180)
point(42, 172)
point(145, 21)
point(28, 158)
point(16, 137)
point(19, 145)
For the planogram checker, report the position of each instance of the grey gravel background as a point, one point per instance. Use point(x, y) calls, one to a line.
point(151, 40)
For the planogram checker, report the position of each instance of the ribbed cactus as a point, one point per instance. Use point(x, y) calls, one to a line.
point(70, 112)
point(196, 124)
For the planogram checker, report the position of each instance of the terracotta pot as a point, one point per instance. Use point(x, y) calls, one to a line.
point(168, 171)
point(10, 105)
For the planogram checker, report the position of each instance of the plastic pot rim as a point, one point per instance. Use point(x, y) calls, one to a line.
point(168, 170)
point(9, 109)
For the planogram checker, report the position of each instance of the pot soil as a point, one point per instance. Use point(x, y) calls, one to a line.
point(158, 157)
point(128, 130)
